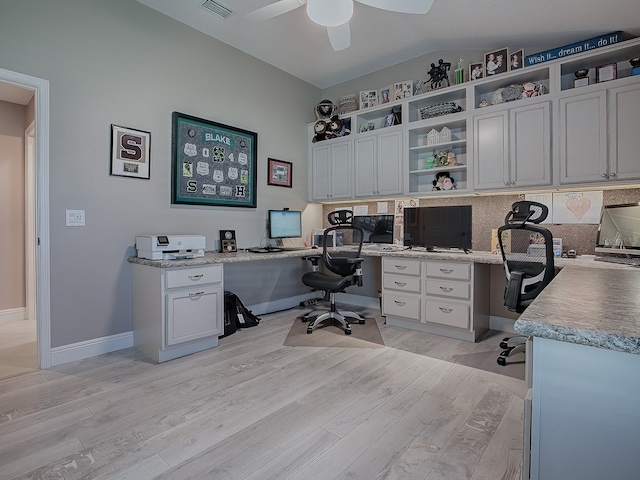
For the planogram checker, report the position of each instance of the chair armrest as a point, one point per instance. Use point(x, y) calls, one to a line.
point(355, 260)
point(357, 277)
point(312, 258)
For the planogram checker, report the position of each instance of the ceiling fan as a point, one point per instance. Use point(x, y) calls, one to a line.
point(335, 14)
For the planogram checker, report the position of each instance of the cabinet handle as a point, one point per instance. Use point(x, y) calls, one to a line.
point(446, 289)
point(506, 182)
point(613, 174)
point(446, 270)
point(195, 277)
point(604, 175)
point(400, 304)
point(446, 310)
point(513, 182)
point(400, 284)
point(196, 294)
point(400, 267)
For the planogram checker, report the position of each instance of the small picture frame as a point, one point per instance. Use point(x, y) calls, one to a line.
point(476, 71)
point(386, 94)
point(130, 153)
point(606, 72)
point(368, 99)
point(389, 120)
point(496, 62)
point(402, 90)
point(279, 173)
point(366, 127)
point(516, 60)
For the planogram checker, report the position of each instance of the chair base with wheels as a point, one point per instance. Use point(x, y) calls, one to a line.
point(335, 316)
point(511, 346)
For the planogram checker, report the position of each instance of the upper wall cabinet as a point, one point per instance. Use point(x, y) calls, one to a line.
point(378, 164)
point(331, 170)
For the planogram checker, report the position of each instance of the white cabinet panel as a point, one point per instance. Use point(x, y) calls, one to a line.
point(378, 164)
point(406, 306)
point(331, 171)
point(624, 118)
point(446, 312)
point(530, 149)
point(321, 171)
point(192, 315)
point(365, 164)
point(490, 150)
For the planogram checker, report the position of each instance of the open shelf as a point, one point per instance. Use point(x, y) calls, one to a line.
point(457, 94)
point(485, 88)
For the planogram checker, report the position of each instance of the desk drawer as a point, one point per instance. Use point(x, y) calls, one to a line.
point(398, 265)
point(451, 270)
point(406, 306)
point(447, 313)
point(189, 277)
point(403, 283)
point(446, 288)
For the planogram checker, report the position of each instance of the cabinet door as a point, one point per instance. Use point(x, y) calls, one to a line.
point(530, 145)
point(320, 168)
point(365, 160)
point(193, 314)
point(583, 138)
point(624, 119)
point(390, 163)
point(490, 150)
point(340, 178)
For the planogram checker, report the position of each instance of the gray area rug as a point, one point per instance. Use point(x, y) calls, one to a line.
point(328, 335)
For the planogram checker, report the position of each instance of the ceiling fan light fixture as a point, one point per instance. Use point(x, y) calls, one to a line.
point(330, 13)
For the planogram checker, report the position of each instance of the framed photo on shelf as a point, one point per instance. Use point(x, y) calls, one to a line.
point(516, 60)
point(386, 94)
point(476, 71)
point(279, 173)
point(403, 90)
point(607, 72)
point(496, 62)
point(389, 120)
point(130, 153)
point(368, 99)
point(212, 164)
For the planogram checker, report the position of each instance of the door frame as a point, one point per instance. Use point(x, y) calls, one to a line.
point(40, 87)
point(30, 222)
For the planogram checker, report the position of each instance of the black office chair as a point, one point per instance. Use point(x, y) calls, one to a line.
point(346, 267)
point(383, 232)
point(527, 255)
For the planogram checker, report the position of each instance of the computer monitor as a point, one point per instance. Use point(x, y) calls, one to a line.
point(442, 227)
point(619, 229)
point(285, 224)
point(377, 228)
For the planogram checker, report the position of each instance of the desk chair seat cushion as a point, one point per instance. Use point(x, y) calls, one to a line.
point(321, 281)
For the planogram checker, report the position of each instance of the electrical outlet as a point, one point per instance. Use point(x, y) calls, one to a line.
point(74, 218)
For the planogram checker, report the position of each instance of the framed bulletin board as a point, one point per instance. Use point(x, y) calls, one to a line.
point(212, 163)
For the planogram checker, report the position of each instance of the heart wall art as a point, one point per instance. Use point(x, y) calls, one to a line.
point(577, 207)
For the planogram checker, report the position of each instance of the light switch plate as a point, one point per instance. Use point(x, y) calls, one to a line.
point(74, 218)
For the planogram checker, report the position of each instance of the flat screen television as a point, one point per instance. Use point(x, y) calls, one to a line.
point(441, 227)
point(377, 228)
point(619, 229)
point(285, 224)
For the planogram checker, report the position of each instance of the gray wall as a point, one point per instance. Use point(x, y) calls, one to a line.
point(120, 62)
point(12, 282)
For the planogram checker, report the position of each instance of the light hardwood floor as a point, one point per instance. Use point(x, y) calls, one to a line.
point(423, 407)
point(18, 348)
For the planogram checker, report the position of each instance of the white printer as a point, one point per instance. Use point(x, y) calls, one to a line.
point(170, 247)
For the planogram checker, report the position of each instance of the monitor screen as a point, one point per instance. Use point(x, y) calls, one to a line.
point(377, 228)
point(442, 227)
point(285, 224)
point(619, 229)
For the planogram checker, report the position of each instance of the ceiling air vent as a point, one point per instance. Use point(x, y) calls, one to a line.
point(219, 10)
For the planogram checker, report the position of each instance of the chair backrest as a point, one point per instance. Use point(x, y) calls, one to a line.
point(341, 233)
point(527, 254)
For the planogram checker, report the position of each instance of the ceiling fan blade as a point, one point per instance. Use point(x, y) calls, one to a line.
point(401, 6)
point(340, 36)
point(273, 10)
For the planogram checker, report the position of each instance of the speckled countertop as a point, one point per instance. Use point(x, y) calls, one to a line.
point(589, 303)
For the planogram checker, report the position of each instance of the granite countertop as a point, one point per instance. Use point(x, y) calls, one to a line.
point(588, 305)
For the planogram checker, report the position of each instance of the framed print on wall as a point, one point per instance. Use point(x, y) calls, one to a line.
point(130, 152)
point(279, 173)
point(212, 163)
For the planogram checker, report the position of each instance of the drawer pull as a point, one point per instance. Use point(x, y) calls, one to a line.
point(196, 277)
point(446, 270)
point(400, 267)
point(400, 304)
point(446, 289)
point(446, 310)
point(196, 294)
point(400, 284)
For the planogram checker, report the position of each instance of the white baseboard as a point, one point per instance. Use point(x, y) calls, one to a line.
point(12, 314)
point(358, 300)
point(281, 304)
point(90, 348)
point(502, 324)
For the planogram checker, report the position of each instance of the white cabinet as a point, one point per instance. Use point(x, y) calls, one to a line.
point(445, 298)
point(331, 170)
point(378, 164)
point(624, 122)
point(512, 148)
point(176, 311)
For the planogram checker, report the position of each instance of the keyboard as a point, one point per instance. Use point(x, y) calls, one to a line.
point(633, 261)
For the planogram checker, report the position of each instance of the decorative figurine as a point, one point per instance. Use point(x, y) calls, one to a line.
point(582, 77)
point(635, 63)
point(439, 73)
point(324, 110)
point(459, 73)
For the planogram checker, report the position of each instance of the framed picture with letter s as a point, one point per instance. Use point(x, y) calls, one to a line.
point(130, 152)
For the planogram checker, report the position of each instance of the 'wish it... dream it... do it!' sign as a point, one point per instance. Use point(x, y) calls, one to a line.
point(573, 49)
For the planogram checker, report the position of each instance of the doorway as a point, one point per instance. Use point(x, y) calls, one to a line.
point(25, 339)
